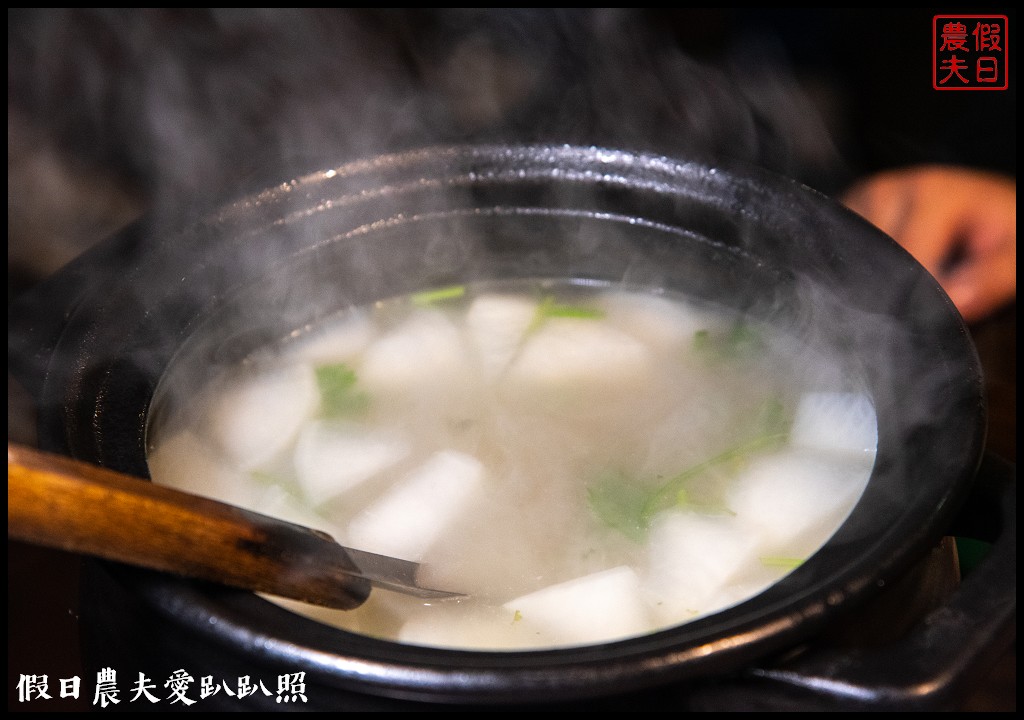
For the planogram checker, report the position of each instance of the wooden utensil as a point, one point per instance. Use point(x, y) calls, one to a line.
point(71, 505)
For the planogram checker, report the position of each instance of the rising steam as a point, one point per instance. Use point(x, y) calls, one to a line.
point(175, 108)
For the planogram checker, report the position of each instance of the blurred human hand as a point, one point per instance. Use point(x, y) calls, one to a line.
point(960, 224)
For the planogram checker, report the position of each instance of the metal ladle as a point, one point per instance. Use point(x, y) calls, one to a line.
point(70, 505)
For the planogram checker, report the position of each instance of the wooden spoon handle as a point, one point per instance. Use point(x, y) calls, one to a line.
point(70, 505)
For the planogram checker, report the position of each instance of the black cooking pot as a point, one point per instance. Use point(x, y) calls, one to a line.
point(92, 343)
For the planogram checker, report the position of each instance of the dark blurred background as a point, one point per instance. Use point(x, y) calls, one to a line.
point(114, 114)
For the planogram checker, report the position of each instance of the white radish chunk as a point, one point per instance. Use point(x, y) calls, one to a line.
point(567, 351)
point(276, 501)
point(497, 325)
point(258, 417)
point(332, 457)
point(460, 627)
point(836, 422)
point(411, 515)
point(692, 558)
point(795, 500)
point(424, 354)
point(657, 321)
point(340, 341)
point(578, 365)
point(599, 607)
point(184, 461)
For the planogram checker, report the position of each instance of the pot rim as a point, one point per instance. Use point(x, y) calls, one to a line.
point(83, 411)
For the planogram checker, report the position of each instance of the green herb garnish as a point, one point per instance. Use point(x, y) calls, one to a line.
point(741, 342)
point(628, 506)
point(701, 341)
point(549, 308)
point(789, 563)
point(339, 396)
point(263, 477)
point(432, 297)
point(620, 504)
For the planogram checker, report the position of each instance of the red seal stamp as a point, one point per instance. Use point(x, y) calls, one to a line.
point(969, 52)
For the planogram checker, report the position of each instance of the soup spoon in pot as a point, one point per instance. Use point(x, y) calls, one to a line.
point(70, 505)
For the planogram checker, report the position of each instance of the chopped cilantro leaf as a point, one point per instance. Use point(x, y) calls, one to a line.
point(628, 506)
point(432, 297)
point(619, 504)
point(263, 477)
point(338, 393)
point(741, 342)
point(782, 562)
point(549, 308)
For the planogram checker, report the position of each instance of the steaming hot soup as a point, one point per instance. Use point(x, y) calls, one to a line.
point(585, 463)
